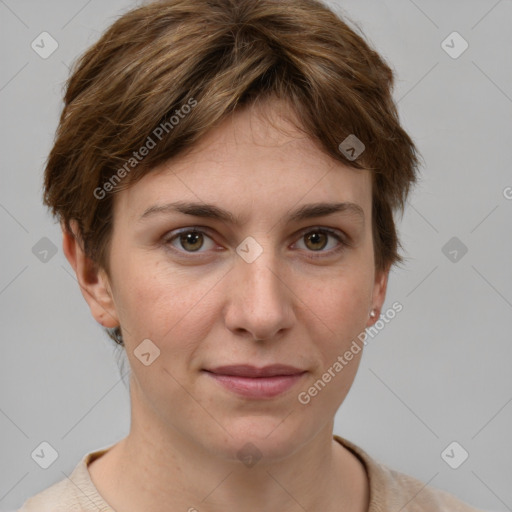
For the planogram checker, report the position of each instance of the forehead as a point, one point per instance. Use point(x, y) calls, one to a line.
point(253, 160)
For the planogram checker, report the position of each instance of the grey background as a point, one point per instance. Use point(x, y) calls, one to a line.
point(439, 372)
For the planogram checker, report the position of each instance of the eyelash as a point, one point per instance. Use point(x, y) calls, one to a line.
point(343, 242)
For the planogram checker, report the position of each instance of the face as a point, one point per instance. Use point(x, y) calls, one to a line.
point(261, 287)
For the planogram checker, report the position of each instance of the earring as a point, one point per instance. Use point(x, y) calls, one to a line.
point(372, 313)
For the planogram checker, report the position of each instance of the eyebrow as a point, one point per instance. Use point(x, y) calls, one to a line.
point(211, 211)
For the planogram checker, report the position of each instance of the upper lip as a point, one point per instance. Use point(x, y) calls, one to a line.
point(245, 370)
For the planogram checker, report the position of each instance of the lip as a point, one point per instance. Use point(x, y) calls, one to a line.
point(246, 370)
point(252, 382)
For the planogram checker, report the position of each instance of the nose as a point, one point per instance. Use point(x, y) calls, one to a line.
point(260, 301)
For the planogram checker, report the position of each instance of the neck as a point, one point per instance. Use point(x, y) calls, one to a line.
point(158, 468)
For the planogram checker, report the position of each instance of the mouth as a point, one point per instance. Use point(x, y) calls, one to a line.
point(257, 383)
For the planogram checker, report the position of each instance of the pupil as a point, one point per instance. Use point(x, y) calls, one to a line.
point(192, 238)
point(189, 239)
point(314, 238)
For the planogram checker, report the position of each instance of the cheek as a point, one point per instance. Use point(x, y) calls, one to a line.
point(342, 304)
point(161, 303)
point(340, 309)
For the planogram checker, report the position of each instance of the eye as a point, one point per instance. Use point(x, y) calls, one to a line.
point(317, 239)
point(191, 240)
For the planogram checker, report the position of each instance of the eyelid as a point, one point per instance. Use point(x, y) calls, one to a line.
point(172, 235)
point(332, 231)
point(340, 236)
point(343, 239)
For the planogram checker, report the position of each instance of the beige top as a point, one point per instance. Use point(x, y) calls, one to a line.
point(390, 490)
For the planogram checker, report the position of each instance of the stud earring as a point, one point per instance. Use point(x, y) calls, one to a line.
point(372, 313)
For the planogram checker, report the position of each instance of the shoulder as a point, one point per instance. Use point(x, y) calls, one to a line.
point(57, 498)
point(391, 490)
point(75, 493)
point(415, 496)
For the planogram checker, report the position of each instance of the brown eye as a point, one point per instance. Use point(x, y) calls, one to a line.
point(190, 240)
point(317, 239)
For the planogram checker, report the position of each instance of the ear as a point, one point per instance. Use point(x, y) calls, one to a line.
point(93, 280)
point(379, 294)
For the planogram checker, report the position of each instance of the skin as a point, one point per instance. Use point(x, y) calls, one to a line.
point(209, 307)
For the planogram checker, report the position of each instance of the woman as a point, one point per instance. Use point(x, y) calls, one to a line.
point(226, 173)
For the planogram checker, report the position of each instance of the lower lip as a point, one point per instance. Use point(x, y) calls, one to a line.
point(260, 387)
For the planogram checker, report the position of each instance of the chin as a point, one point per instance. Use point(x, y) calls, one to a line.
point(268, 436)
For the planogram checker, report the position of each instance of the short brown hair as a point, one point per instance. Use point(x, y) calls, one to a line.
point(222, 55)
